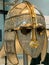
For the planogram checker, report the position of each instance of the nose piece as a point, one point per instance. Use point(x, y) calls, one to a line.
point(34, 44)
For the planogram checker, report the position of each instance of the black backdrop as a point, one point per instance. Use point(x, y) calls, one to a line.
point(36, 61)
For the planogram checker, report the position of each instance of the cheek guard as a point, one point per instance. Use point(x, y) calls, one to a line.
point(10, 48)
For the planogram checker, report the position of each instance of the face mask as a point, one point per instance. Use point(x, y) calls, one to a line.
point(31, 38)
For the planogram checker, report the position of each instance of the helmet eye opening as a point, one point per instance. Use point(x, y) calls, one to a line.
point(25, 30)
point(40, 29)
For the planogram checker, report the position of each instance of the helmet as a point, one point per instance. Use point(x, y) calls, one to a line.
point(29, 24)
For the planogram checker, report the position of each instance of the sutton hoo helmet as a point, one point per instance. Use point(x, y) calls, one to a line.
point(29, 24)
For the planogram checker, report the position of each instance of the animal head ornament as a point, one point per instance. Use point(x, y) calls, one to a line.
point(30, 29)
